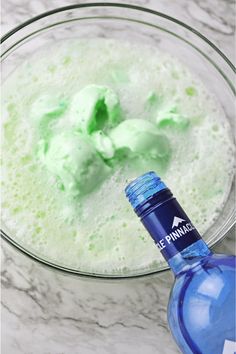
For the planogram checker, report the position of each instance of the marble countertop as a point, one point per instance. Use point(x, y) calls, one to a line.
point(46, 312)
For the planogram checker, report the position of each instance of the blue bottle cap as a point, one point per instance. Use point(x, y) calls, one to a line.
point(143, 188)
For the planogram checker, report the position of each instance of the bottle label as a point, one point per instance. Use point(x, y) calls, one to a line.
point(170, 228)
point(229, 347)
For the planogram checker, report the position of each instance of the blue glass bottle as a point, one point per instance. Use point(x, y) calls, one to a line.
point(201, 309)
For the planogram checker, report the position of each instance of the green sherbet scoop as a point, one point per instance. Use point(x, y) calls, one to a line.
point(45, 109)
point(95, 108)
point(171, 118)
point(140, 137)
point(73, 160)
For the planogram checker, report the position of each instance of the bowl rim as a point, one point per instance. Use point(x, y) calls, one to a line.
point(64, 269)
point(119, 5)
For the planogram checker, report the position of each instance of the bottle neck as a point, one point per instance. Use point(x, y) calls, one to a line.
point(172, 231)
point(189, 257)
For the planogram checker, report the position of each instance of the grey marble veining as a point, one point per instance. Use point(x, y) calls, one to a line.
point(46, 312)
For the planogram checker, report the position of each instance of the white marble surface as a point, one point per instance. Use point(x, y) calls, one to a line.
point(46, 312)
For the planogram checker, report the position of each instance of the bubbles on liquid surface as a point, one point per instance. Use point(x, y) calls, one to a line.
point(101, 233)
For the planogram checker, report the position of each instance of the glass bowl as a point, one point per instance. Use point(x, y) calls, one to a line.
point(136, 24)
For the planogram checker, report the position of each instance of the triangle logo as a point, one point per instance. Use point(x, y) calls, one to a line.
point(229, 347)
point(176, 221)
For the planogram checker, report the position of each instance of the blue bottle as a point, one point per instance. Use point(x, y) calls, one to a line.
point(201, 309)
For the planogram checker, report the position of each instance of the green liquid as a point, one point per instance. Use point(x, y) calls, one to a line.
point(75, 133)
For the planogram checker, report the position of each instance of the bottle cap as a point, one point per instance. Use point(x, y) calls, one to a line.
point(143, 188)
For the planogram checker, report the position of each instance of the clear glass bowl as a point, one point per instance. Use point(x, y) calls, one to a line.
point(139, 25)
